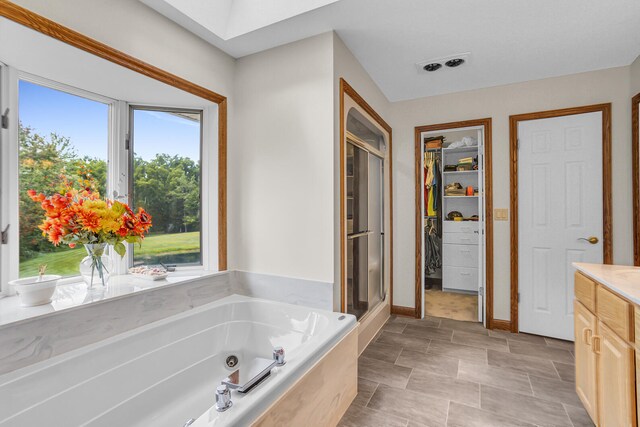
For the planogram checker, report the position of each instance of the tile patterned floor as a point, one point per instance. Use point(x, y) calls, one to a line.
point(451, 305)
point(441, 372)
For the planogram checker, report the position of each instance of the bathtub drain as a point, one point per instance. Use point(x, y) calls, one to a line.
point(232, 361)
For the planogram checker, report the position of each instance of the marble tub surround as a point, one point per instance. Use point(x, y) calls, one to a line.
point(442, 372)
point(73, 320)
point(309, 293)
point(622, 279)
point(76, 294)
point(77, 317)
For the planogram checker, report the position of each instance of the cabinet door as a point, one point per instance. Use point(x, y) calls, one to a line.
point(584, 328)
point(616, 379)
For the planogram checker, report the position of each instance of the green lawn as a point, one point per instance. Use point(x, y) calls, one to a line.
point(65, 262)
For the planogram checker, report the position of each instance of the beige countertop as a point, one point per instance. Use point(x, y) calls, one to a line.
point(622, 279)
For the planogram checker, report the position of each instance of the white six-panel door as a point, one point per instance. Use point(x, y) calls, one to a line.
point(559, 204)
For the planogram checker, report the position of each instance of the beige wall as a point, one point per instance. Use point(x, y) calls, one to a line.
point(281, 162)
point(635, 77)
point(610, 85)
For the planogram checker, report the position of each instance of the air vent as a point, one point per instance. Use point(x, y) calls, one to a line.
point(445, 62)
point(452, 63)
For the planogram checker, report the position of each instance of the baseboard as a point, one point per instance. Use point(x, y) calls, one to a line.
point(500, 325)
point(399, 310)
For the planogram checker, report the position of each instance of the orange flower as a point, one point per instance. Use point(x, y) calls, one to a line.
point(55, 235)
point(81, 216)
point(143, 216)
point(89, 220)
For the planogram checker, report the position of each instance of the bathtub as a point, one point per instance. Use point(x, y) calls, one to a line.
point(166, 373)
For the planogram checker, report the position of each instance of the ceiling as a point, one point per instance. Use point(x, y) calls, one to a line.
point(509, 40)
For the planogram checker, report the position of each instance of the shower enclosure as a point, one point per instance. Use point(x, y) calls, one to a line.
point(365, 216)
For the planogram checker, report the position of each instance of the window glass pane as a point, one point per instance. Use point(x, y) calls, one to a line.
point(166, 183)
point(61, 136)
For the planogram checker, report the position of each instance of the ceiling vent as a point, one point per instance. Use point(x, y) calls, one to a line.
point(445, 62)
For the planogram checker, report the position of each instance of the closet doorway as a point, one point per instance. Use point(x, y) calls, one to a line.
point(454, 256)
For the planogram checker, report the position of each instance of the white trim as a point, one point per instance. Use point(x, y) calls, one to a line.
point(209, 188)
point(118, 169)
point(51, 84)
point(10, 258)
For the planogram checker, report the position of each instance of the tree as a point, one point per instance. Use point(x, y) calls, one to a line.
point(44, 162)
point(169, 188)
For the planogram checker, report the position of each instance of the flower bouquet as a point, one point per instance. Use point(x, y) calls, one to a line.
point(75, 217)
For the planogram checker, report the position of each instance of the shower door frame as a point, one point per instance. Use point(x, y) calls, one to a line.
point(358, 143)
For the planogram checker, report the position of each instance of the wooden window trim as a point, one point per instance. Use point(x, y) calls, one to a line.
point(73, 38)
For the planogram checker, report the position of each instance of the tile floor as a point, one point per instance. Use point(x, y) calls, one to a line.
point(442, 372)
point(451, 305)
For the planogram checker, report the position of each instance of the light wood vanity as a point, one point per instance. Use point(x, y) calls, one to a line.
point(606, 322)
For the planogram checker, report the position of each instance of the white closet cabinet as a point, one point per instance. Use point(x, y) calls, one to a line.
point(462, 251)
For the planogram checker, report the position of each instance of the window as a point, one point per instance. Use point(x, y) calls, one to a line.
point(61, 137)
point(153, 156)
point(166, 151)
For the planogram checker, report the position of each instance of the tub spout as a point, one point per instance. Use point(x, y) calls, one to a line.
point(223, 398)
point(278, 356)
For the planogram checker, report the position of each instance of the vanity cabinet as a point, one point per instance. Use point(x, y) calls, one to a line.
point(616, 378)
point(605, 354)
point(586, 374)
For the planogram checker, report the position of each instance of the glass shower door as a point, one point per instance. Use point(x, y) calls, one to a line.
point(357, 230)
point(376, 236)
point(365, 232)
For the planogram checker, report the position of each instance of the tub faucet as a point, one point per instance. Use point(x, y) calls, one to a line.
point(223, 398)
point(278, 356)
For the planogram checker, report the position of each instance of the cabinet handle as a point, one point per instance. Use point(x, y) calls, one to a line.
point(586, 336)
point(596, 348)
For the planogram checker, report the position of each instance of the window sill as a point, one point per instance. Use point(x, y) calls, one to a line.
point(75, 294)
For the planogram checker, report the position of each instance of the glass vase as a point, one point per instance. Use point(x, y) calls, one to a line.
point(96, 267)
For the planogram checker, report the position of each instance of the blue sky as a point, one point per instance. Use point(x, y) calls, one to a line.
point(85, 123)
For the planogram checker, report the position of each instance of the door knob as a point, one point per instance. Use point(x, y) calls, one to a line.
point(593, 240)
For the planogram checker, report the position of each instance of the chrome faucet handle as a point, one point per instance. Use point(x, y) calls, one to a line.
point(223, 398)
point(278, 355)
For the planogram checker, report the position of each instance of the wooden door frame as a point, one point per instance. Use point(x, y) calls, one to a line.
point(607, 219)
point(488, 218)
point(635, 171)
point(73, 38)
point(347, 89)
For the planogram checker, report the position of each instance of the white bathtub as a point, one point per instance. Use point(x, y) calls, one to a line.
point(165, 373)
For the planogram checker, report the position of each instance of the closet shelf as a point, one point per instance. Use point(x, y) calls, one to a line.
point(473, 149)
point(461, 197)
point(460, 172)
